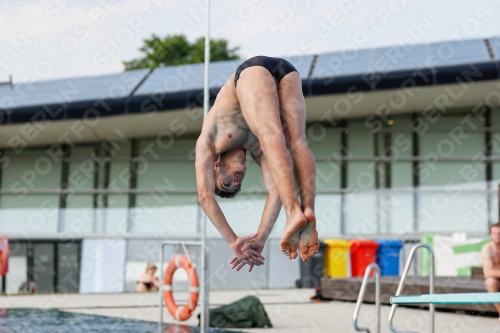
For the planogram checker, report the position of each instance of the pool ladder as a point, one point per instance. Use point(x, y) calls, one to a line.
point(402, 282)
point(364, 284)
point(376, 268)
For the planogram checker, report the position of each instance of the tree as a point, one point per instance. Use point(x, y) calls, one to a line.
point(176, 50)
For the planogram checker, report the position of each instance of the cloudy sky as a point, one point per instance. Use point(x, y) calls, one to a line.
point(49, 39)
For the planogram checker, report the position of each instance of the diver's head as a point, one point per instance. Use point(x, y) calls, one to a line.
point(229, 172)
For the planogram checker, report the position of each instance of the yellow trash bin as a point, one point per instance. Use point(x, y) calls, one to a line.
point(336, 256)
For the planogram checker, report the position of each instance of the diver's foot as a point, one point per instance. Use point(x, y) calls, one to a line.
point(308, 238)
point(290, 239)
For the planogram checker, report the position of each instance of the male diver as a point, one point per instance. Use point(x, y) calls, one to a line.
point(260, 109)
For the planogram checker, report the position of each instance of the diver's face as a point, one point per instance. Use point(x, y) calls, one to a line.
point(229, 177)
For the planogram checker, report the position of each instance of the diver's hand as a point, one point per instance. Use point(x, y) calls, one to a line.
point(254, 245)
point(245, 253)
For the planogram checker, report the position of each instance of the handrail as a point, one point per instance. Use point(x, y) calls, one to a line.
point(402, 281)
point(361, 295)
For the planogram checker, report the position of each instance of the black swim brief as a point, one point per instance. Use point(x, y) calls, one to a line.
point(278, 67)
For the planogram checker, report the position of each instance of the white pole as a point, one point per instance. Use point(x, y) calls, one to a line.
point(206, 94)
point(160, 291)
point(204, 265)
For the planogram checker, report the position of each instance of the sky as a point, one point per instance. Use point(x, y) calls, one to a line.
point(51, 39)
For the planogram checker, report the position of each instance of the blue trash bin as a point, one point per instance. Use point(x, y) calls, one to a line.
point(388, 256)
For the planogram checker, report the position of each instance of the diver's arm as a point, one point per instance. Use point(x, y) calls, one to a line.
point(269, 215)
point(205, 183)
point(205, 159)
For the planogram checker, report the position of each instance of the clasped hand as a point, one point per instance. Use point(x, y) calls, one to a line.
point(247, 250)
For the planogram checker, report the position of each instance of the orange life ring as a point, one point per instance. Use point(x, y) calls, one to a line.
point(187, 311)
point(4, 255)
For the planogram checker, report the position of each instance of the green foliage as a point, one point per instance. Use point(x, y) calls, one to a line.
point(176, 50)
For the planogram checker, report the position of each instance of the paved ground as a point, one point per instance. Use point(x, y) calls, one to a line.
point(290, 311)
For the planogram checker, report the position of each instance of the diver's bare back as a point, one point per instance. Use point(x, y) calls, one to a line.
point(229, 128)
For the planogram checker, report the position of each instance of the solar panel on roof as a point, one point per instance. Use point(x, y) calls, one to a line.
point(187, 77)
point(5, 88)
point(6, 98)
point(48, 92)
point(403, 57)
point(343, 63)
point(71, 90)
point(191, 77)
point(113, 86)
point(167, 79)
point(495, 45)
point(458, 52)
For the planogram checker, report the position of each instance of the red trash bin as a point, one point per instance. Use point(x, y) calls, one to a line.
point(363, 253)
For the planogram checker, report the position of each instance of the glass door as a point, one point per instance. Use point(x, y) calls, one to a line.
point(68, 267)
point(44, 266)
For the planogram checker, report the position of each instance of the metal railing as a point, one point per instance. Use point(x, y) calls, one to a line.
point(369, 269)
point(402, 281)
point(203, 286)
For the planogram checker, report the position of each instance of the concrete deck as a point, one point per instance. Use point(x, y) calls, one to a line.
point(290, 311)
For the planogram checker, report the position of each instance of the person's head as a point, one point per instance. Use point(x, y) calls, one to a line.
point(495, 233)
point(150, 268)
point(229, 172)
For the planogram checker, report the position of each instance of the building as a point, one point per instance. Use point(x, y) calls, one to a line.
point(96, 171)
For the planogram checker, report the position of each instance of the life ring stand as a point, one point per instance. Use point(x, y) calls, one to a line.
point(185, 312)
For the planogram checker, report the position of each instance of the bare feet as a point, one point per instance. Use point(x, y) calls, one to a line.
point(308, 238)
point(290, 240)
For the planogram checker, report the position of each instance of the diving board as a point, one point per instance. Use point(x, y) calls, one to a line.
point(460, 298)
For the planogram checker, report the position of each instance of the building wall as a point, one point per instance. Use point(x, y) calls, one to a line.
point(435, 171)
point(372, 179)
